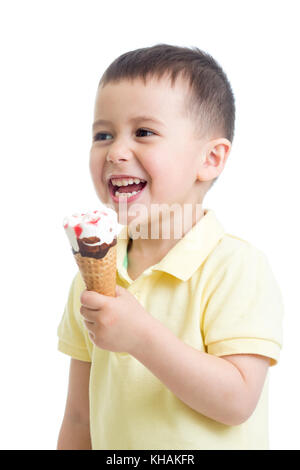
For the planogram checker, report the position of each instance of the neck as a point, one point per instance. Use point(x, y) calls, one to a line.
point(154, 239)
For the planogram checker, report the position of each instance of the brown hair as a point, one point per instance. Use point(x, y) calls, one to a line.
point(210, 102)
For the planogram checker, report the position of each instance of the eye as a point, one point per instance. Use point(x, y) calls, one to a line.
point(143, 130)
point(101, 136)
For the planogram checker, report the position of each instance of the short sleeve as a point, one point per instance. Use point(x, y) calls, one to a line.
point(73, 338)
point(244, 309)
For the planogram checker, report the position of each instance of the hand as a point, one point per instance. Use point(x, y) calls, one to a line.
point(115, 323)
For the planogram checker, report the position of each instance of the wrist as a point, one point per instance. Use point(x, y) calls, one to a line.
point(145, 331)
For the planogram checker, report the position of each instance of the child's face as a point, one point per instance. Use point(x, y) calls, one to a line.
point(165, 154)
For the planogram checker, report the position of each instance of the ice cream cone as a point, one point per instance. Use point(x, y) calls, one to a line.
point(93, 237)
point(99, 275)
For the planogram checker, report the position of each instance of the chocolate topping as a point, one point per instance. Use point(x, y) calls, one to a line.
point(96, 251)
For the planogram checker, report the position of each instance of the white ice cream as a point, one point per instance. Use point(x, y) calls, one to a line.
point(102, 223)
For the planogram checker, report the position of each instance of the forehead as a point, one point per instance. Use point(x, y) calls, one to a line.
point(156, 97)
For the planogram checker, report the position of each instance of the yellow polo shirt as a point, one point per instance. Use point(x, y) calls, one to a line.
point(214, 291)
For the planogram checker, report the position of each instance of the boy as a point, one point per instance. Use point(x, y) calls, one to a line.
point(179, 358)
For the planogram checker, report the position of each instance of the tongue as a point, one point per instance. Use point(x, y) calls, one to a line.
point(130, 188)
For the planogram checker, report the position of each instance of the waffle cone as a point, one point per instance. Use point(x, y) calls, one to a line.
point(99, 275)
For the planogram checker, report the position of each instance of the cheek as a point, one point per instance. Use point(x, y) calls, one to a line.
point(96, 170)
point(95, 163)
point(170, 177)
point(157, 166)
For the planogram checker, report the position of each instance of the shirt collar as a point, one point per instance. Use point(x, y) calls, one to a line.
point(187, 255)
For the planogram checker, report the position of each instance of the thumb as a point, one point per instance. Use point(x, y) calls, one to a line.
point(119, 290)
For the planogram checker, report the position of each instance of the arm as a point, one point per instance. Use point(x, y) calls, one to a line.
point(225, 389)
point(75, 429)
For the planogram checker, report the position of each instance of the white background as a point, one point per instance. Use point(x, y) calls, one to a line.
point(52, 56)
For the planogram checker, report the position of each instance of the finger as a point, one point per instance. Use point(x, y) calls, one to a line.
point(119, 290)
point(88, 322)
point(88, 314)
point(89, 325)
point(91, 335)
point(92, 300)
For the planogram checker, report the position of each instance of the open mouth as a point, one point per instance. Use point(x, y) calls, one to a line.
point(127, 189)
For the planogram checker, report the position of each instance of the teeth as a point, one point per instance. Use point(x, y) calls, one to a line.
point(127, 195)
point(125, 181)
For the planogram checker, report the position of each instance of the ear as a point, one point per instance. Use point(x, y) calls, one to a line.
point(213, 159)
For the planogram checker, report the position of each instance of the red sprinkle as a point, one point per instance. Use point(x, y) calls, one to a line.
point(94, 221)
point(78, 230)
point(66, 226)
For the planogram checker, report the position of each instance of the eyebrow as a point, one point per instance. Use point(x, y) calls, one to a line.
point(134, 119)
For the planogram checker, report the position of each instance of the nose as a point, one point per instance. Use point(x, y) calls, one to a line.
point(115, 158)
point(118, 153)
